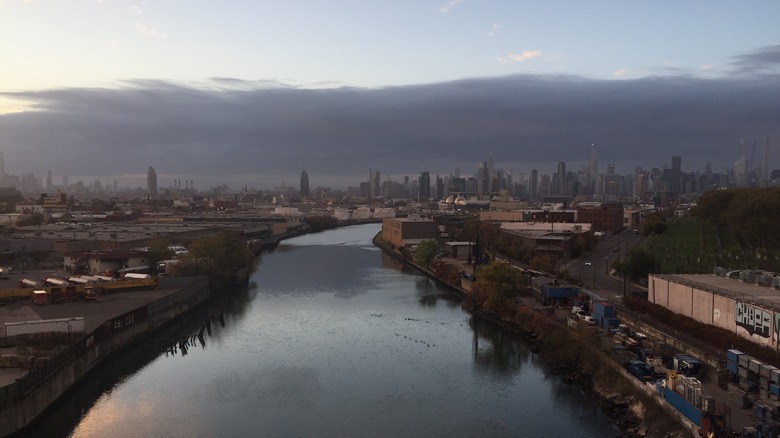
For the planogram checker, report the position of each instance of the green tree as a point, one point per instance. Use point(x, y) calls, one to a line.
point(32, 220)
point(159, 251)
point(542, 263)
point(319, 223)
point(225, 259)
point(639, 263)
point(425, 253)
point(654, 223)
point(496, 283)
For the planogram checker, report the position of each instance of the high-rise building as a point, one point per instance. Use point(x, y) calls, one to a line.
point(483, 178)
point(373, 184)
point(48, 180)
point(560, 181)
point(676, 180)
point(151, 183)
point(593, 169)
point(533, 185)
point(304, 184)
point(424, 186)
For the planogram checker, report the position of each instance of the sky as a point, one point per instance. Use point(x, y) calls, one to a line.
point(254, 92)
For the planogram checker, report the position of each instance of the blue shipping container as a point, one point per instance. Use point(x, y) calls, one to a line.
point(732, 367)
point(604, 309)
point(608, 323)
point(551, 291)
point(733, 355)
point(690, 411)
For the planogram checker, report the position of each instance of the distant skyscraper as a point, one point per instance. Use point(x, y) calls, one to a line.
point(533, 185)
point(48, 180)
point(561, 179)
point(593, 169)
point(151, 183)
point(483, 178)
point(373, 184)
point(741, 167)
point(304, 184)
point(676, 182)
point(425, 185)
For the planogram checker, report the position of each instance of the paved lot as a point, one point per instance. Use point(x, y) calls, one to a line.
point(94, 312)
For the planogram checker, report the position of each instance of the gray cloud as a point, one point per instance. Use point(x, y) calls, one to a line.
point(763, 60)
point(258, 133)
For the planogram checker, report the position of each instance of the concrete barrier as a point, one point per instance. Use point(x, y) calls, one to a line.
point(24, 401)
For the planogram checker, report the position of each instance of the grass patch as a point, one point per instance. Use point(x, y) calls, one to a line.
point(690, 246)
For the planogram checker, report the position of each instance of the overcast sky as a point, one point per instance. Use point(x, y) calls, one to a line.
point(254, 92)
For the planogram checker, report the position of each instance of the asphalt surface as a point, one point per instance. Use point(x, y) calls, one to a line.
point(94, 312)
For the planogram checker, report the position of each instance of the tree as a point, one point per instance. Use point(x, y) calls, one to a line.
point(496, 283)
point(425, 253)
point(654, 223)
point(639, 263)
point(542, 263)
point(225, 259)
point(32, 220)
point(158, 251)
point(319, 223)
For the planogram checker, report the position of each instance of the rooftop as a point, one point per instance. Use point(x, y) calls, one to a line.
point(738, 289)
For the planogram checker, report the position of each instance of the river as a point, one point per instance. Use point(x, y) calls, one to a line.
point(335, 339)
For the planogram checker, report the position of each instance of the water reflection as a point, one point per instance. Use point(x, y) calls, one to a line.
point(66, 414)
point(495, 352)
point(336, 340)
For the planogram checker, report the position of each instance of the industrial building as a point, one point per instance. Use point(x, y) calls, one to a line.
point(743, 302)
point(405, 232)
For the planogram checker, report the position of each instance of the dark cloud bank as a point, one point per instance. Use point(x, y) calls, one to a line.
point(244, 132)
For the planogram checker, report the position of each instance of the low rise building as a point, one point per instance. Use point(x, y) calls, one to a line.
point(603, 216)
point(406, 232)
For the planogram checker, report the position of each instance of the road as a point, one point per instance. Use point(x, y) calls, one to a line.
point(593, 269)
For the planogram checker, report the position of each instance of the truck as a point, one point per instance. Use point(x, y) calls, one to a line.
point(640, 370)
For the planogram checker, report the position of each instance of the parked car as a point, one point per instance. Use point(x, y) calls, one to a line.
point(590, 320)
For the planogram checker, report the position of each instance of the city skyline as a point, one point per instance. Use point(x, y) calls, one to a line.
point(253, 93)
point(484, 179)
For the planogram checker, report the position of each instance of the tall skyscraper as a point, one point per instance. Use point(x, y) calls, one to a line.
point(533, 185)
point(304, 184)
point(373, 184)
point(48, 180)
point(561, 179)
point(593, 169)
point(151, 183)
point(424, 186)
point(483, 178)
point(676, 182)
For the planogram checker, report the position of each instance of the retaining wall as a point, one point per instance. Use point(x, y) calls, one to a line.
point(24, 401)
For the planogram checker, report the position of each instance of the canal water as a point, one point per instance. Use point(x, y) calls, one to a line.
point(334, 340)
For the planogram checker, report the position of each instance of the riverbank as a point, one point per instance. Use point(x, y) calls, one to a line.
point(27, 399)
point(574, 355)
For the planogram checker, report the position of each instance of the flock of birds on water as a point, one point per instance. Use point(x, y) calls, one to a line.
point(183, 344)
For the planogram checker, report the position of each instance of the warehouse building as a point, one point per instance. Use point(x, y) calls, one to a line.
point(742, 303)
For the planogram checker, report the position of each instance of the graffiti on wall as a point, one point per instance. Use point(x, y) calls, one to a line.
point(754, 319)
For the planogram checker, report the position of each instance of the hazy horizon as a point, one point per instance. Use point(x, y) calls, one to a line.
point(255, 93)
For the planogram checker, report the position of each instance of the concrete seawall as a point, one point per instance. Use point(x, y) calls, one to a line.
point(24, 401)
